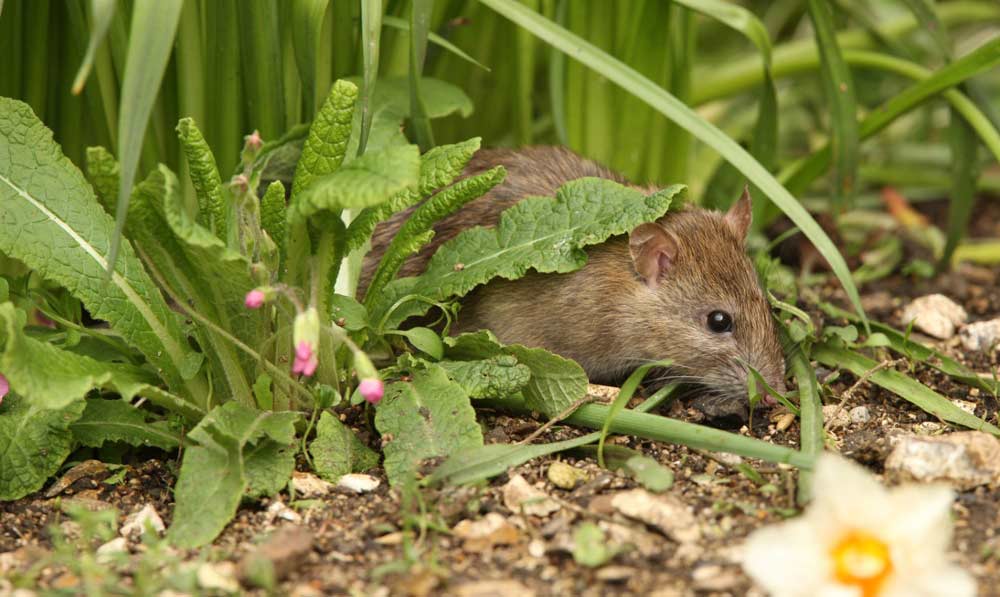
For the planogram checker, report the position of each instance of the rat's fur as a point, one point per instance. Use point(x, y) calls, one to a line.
point(607, 316)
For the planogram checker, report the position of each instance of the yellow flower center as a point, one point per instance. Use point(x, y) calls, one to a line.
point(863, 561)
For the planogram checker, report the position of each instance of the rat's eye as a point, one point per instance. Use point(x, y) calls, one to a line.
point(720, 322)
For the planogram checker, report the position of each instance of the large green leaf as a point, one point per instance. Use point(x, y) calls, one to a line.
point(119, 421)
point(50, 220)
point(627, 78)
point(214, 474)
point(34, 442)
point(336, 451)
point(423, 418)
point(541, 233)
point(326, 144)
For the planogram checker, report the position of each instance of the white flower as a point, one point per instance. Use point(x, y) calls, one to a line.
point(858, 539)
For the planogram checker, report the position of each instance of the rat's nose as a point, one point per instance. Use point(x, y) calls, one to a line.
point(767, 399)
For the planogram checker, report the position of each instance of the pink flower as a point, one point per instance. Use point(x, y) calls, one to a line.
point(4, 387)
point(372, 390)
point(255, 299)
point(253, 141)
point(305, 359)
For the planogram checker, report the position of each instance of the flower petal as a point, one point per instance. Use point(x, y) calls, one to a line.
point(920, 531)
point(848, 496)
point(943, 580)
point(786, 559)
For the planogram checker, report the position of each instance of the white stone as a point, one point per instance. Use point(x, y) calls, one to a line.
point(358, 483)
point(981, 335)
point(935, 314)
point(964, 460)
point(136, 523)
point(309, 485)
point(969, 407)
point(278, 509)
point(664, 512)
point(489, 530)
point(860, 414)
point(220, 576)
point(107, 552)
point(836, 417)
point(521, 498)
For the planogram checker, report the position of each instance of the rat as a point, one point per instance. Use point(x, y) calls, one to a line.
point(680, 288)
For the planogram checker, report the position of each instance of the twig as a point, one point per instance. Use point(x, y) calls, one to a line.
point(569, 410)
point(857, 384)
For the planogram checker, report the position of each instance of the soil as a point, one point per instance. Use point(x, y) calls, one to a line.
point(371, 544)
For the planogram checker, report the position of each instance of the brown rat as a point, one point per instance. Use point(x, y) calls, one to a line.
point(681, 288)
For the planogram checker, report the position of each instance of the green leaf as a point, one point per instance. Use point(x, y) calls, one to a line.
point(151, 39)
point(269, 466)
point(649, 473)
point(590, 546)
point(307, 26)
point(51, 221)
point(262, 394)
point(668, 105)
point(326, 143)
point(402, 25)
point(51, 378)
point(336, 451)
point(965, 174)
point(102, 12)
point(428, 417)
point(103, 173)
point(272, 213)
point(214, 474)
point(353, 313)
point(205, 176)
point(369, 180)
point(811, 433)
point(839, 88)
point(34, 442)
point(900, 384)
point(371, 35)
point(420, 18)
point(541, 233)
point(556, 383)
point(425, 340)
point(417, 230)
point(496, 377)
point(119, 421)
point(438, 168)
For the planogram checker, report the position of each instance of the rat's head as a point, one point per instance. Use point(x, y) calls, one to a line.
point(714, 319)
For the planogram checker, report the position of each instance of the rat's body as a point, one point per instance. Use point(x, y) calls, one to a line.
point(641, 297)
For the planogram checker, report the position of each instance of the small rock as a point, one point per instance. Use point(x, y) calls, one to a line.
point(969, 407)
point(835, 416)
point(785, 421)
point(860, 414)
point(981, 335)
point(603, 394)
point(536, 548)
point(87, 468)
point(358, 483)
point(664, 512)
point(520, 497)
point(935, 314)
point(107, 552)
point(927, 428)
point(136, 523)
point(492, 529)
point(712, 577)
point(646, 543)
point(963, 459)
point(220, 576)
point(565, 476)
point(615, 573)
point(278, 509)
point(305, 590)
point(493, 588)
point(284, 551)
point(309, 485)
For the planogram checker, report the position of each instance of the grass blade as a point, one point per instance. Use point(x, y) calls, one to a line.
point(811, 432)
point(307, 25)
point(151, 40)
point(371, 30)
point(676, 111)
point(420, 20)
point(434, 38)
point(224, 127)
point(965, 173)
point(903, 386)
point(839, 89)
point(624, 395)
point(262, 66)
point(101, 13)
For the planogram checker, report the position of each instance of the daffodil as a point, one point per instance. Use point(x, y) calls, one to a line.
point(859, 539)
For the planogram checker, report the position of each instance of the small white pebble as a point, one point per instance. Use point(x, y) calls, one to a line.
point(358, 483)
point(935, 314)
point(860, 414)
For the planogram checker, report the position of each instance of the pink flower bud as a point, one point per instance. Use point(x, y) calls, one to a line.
point(4, 387)
point(253, 141)
point(372, 390)
point(305, 359)
point(255, 299)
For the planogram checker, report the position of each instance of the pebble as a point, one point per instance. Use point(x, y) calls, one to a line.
point(835, 416)
point(490, 530)
point(785, 421)
point(278, 509)
point(220, 576)
point(284, 551)
point(521, 497)
point(565, 476)
point(712, 577)
point(860, 414)
point(603, 394)
point(309, 485)
point(107, 552)
point(665, 512)
point(358, 483)
point(136, 523)
point(935, 314)
point(492, 588)
point(981, 335)
point(969, 407)
point(615, 574)
point(964, 460)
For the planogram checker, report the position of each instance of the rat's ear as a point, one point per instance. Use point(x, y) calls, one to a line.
point(654, 250)
point(740, 214)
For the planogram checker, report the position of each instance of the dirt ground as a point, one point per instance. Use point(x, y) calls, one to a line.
point(369, 544)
